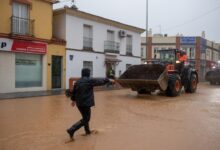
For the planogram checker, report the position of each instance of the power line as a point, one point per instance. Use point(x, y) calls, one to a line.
point(193, 20)
point(63, 1)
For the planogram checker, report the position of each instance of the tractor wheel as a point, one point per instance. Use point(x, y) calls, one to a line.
point(212, 83)
point(174, 85)
point(191, 86)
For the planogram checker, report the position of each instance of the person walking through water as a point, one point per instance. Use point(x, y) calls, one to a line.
point(83, 97)
point(110, 75)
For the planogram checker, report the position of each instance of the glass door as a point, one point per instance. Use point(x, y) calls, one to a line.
point(56, 72)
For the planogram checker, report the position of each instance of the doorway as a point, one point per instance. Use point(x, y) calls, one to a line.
point(56, 72)
point(110, 66)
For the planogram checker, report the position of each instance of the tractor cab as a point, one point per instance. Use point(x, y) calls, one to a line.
point(174, 59)
point(173, 56)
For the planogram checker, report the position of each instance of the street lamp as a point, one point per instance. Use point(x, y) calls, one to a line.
point(147, 53)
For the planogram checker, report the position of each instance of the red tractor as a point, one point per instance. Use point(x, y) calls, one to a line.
point(169, 74)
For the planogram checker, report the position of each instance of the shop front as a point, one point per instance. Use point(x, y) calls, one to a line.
point(22, 65)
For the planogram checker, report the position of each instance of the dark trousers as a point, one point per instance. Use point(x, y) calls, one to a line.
point(86, 114)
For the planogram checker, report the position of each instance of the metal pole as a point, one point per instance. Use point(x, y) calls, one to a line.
point(147, 53)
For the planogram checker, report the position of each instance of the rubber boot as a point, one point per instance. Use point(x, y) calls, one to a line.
point(87, 129)
point(75, 127)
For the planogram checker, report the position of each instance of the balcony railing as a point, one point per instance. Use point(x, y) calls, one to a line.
point(22, 26)
point(87, 43)
point(129, 50)
point(111, 47)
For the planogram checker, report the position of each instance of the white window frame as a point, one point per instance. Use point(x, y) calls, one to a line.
point(21, 20)
point(88, 65)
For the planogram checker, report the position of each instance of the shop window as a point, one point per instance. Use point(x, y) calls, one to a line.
point(156, 53)
point(129, 46)
point(192, 53)
point(28, 70)
point(88, 65)
point(87, 37)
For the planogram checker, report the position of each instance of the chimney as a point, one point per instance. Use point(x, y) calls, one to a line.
point(73, 5)
point(203, 34)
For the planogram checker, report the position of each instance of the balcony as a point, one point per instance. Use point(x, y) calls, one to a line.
point(87, 43)
point(22, 26)
point(129, 50)
point(111, 47)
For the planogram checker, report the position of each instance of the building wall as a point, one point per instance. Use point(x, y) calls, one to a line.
point(215, 46)
point(121, 67)
point(56, 50)
point(7, 74)
point(209, 43)
point(5, 14)
point(164, 40)
point(59, 26)
point(40, 12)
point(74, 36)
point(74, 67)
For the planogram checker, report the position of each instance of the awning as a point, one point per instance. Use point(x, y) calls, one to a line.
point(112, 58)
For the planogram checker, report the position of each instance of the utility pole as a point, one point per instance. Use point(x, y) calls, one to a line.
point(147, 53)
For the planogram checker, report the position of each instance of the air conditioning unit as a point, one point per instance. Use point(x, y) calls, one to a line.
point(122, 33)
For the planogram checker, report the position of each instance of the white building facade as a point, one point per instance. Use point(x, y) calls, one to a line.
point(96, 43)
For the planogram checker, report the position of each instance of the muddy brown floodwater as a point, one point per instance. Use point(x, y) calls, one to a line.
point(124, 121)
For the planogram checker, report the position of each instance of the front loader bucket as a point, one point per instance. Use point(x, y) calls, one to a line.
point(146, 76)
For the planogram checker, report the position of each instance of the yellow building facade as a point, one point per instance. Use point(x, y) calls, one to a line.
point(30, 58)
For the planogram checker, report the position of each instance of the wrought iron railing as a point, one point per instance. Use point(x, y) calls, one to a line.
point(111, 47)
point(22, 26)
point(87, 43)
point(128, 49)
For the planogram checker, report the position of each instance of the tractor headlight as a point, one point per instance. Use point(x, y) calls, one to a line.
point(177, 61)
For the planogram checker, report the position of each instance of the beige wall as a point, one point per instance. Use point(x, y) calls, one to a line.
point(208, 54)
point(164, 40)
point(209, 43)
point(5, 14)
point(216, 46)
point(41, 12)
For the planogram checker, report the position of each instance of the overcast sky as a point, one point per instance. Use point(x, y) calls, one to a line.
point(187, 17)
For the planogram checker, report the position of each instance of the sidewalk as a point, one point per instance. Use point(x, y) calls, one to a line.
point(30, 94)
point(4, 96)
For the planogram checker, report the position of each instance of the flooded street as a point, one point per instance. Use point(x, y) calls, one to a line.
point(123, 121)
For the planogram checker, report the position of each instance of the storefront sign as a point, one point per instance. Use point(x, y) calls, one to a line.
point(25, 62)
point(29, 47)
point(23, 46)
point(187, 40)
point(203, 45)
point(5, 44)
